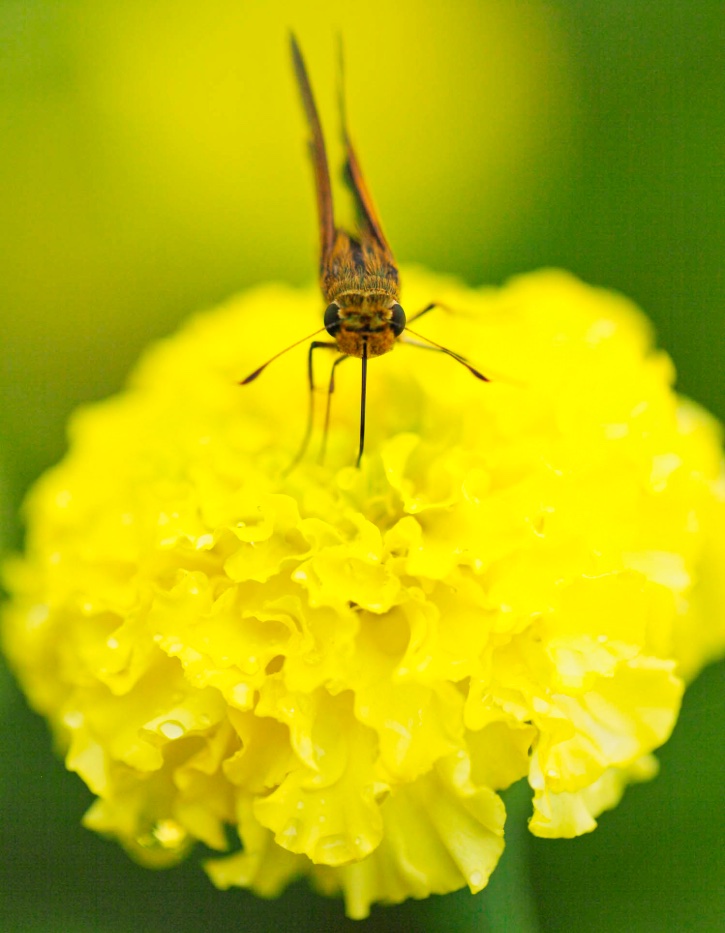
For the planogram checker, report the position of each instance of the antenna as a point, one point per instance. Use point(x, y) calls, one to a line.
point(252, 376)
point(456, 356)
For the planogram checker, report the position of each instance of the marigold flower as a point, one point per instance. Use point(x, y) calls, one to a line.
point(346, 666)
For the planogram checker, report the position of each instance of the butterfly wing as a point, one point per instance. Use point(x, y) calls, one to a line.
point(319, 156)
point(368, 218)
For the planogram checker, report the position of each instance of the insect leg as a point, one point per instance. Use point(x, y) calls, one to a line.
point(330, 390)
point(315, 345)
point(433, 304)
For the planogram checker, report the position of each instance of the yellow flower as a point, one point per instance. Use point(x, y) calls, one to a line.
point(346, 666)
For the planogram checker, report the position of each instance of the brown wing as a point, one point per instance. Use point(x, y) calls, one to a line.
point(367, 214)
point(317, 151)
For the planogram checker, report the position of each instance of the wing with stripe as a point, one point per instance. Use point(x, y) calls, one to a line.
point(317, 151)
point(368, 217)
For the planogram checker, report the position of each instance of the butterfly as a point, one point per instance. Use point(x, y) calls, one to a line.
point(359, 277)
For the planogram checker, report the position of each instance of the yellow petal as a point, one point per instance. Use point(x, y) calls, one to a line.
point(345, 665)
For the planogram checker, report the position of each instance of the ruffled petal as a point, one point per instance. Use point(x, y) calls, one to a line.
point(441, 833)
point(344, 666)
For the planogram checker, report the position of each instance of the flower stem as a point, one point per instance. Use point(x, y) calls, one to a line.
point(508, 902)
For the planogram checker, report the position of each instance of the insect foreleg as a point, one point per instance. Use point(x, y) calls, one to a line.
point(330, 390)
point(430, 307)
point(433, 304)
point(315, 345)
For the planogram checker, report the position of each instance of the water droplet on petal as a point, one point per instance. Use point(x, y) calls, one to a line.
point(164, 834)
point(169, 833)
point(333, 850)
point(475, 879)
point(38, 614)
point(242, 696)
point(74, 719)
point(112, 643)
point(171, 729)
point(291, 830)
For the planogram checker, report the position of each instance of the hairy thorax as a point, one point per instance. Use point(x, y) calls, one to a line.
point(363, 281)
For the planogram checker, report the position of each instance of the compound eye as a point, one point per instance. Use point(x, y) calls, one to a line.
point(397, 321)
point(332, 319)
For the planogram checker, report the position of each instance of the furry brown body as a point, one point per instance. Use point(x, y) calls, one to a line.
point(363, 282)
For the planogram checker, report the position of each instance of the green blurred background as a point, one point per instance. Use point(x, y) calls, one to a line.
point(152, 162)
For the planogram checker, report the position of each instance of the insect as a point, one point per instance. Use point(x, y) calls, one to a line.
point(358, 274)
